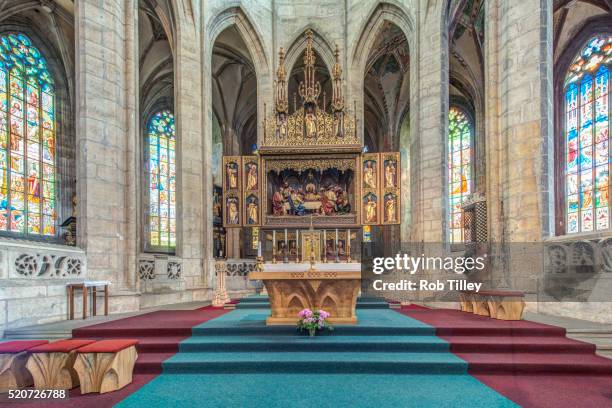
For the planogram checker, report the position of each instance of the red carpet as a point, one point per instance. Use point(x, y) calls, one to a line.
point(532, 364)
point(159, 334)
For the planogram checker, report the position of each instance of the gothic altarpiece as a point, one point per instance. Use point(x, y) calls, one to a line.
point(310, 190)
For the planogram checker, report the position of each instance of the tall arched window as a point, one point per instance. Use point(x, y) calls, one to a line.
point(460, 131)
point(587, 150)
point(161, 173)
point(27, 140)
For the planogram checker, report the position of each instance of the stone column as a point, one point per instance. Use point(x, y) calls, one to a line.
point(106, 93)
point(428, 126)
point(194, 212)
point(518, 110)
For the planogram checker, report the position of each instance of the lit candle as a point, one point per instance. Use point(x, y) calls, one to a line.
point(297, 245)
point(348, 244)
point(336, 240)
point(259, 249)
point(324, 246)
point(285, 238)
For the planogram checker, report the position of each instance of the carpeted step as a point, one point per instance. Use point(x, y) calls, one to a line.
point(261, 330)
point(518, 344)
point(131, 332)
point(304, 343)
point(324, 362)
point(537, 363)
point(372, 305)
point(254, 299)
point(253, 305)
point(151, 363)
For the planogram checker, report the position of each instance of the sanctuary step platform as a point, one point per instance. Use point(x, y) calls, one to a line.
point(257, 302)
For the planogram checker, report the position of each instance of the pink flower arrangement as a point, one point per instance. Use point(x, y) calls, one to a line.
point(313, 321)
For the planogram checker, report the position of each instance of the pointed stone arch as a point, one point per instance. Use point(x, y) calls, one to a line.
point(252, 38)
point(321, 45)
point(381, 13)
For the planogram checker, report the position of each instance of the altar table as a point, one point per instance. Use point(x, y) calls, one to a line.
point(291, 287)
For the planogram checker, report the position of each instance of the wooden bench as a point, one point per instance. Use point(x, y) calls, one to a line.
point(52, 365)
point(106, 365)
point(498, 304)
point(13, 358)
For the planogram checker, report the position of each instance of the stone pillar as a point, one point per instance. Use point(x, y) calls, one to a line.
point(106, 136)
point(518, 110)
point(194, 177)
point(428, 126)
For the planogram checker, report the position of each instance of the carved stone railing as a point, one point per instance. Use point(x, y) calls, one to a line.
point(33, 260)
point(236, 273)
point(160, 273)
point(577, 270)
point(584, 256)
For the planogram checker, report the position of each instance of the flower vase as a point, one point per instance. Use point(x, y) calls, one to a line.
point(312, 332)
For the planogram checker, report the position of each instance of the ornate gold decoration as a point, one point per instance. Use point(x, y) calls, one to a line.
point(232, 187)
point(370, 186)
point(315, 164)
point(309, 89)
point(337, 98)
point(390, 197)
point(251, 187)
point(282, 103)
point(310, 127)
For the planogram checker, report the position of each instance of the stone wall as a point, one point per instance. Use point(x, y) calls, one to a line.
point(33, 279)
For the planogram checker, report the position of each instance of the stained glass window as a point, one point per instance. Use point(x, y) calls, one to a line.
point(460, 131)
point(587, 123)
point(161, 171)
point(27, 139)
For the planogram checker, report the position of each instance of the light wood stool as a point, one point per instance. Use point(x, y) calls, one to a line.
point(52, 365)
point(106, 365)
point(13, 358)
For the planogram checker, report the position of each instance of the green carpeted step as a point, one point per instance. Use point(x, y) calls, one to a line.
point(372, 305)
point(290, 331)
point(322, 362)
point(304, 343)
point(255, 299)
point(252, 305)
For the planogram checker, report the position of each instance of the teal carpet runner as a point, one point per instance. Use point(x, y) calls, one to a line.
point(387, 360)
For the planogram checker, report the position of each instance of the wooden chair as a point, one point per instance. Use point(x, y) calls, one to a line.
point(52, 365)
point(106, 365)
point(13, 358)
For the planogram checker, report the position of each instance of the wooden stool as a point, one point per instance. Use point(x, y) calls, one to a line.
point(106, 365)
point(505, 305)
point(479, 305)
point(466, 299)
point(13, 357)
point(52, 365)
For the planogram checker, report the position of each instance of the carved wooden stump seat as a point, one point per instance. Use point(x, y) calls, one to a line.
point(498, 304)
point(466, 300)
point(505, 305)
point(13, 358)
point(106, 365)
point(52, 365)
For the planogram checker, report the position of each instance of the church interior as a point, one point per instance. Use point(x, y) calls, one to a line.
point(196, 197)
